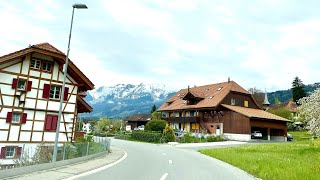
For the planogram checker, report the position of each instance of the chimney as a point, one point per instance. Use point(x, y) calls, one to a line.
point(228, 79)
point(195, 86)
point(188, 88)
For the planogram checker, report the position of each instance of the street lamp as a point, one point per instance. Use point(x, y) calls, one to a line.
point(65, 68)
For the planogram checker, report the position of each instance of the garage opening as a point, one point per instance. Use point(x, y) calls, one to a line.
point(263, 131)
point(277, 134)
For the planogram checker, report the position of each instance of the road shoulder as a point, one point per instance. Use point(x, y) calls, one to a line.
point(65, 172)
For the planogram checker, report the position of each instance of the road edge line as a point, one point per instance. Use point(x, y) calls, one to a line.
point(100, 168)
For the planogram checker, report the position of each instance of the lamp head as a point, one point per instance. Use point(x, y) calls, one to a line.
point(80, 6)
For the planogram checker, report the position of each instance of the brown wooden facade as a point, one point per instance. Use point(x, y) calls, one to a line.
point(233, 112)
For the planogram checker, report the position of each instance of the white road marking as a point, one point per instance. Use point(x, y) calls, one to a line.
point(164, 154)
point(99, 169)
point(170, 161)
point(164, 176)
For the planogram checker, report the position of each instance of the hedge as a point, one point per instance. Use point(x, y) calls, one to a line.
point(146, 136)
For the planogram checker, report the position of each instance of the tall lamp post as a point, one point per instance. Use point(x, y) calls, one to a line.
point(55, 150)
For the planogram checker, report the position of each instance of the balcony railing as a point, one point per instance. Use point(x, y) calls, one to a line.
point(181, 119)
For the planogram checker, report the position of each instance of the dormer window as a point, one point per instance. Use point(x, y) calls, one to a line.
point(233, 102)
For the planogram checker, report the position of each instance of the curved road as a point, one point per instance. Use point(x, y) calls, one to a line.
point(158, 162)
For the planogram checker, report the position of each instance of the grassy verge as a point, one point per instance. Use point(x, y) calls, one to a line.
point(300, 135)
point(297, 160)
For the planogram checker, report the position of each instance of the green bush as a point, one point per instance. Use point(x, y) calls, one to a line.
point(123, 136)
point(156, 125)
point(214, 138)
point(168, 134)
point(146, 136)
point(188, 138)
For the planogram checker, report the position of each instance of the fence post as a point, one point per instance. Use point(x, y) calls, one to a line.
point(64, 151)
point(88, 148)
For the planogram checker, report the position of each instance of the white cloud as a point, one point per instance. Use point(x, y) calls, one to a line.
point(299, 35)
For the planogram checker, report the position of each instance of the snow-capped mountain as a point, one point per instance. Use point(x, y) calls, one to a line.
point(124, 100)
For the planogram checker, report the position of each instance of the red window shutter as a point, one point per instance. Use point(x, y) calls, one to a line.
point(29, 85)
point(9, 117)
point(54, 122)
point(46, 91)
point(18, 152)
point(66, 91)
point(48, 122)
point(24, 118)
point(3, 153)
point(14, 83)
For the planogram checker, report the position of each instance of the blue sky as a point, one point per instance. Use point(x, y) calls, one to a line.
point(262, 44)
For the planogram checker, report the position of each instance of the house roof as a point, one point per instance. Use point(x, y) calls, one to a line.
point(212, 96)
point(49, 50)
point(292, 106)
point(254, 113)
point(83, 106)
point(139, 117)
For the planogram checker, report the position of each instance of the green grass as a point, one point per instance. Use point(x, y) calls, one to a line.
point(300, 135)
point(294, 160)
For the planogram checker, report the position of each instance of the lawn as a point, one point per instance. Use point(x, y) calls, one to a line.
point(292, 160)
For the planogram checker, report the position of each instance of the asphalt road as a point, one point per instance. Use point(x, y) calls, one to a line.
point(158, 162)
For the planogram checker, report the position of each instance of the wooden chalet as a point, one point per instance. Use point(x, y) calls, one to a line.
point(137, 120)
point(30, 92)
point(222, 109)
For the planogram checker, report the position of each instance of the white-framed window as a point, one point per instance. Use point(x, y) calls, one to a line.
point(46, 66)
point(35, 64)
point(233, 101)
point(16, 117)
point(10, 152)
point(22, 84)
point(55, 92)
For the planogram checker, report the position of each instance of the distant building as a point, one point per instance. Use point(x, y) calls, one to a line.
point(290, 105)
point(222, 109)
point(137, 120)
point(30, 92)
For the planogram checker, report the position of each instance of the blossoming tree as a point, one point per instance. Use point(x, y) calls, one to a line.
point(310, 109)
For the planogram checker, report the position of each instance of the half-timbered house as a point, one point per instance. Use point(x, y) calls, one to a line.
point(30, 92)
point(222, 109)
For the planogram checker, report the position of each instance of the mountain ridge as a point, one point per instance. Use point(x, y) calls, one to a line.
point(123, 100)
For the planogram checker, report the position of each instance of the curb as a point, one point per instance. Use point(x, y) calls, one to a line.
point(10, 173)
point(106, 166)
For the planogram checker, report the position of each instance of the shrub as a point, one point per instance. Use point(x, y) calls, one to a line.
point(156, 125)
point(146, 136)
point(188, 138)
point(123, 136)
point(168, 134)
point(214, 138)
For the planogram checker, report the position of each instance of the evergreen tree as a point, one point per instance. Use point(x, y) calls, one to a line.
point(153, 109)
point(297, 89)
